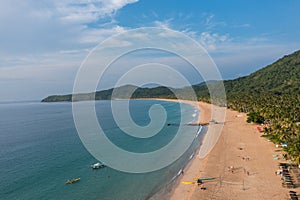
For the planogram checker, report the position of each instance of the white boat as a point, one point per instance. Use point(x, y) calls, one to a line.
point(97, 165)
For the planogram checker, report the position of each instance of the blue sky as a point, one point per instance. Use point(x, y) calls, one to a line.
point(44, 42)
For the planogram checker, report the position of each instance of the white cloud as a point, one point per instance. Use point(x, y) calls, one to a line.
point(45, 41)
point(44, 26)
point(246, 25)
point(163, 24)
point(257, 39)
point(73, 51)
point(210, 22)
point(94, 36)
point(211, 40)
point(86, 11)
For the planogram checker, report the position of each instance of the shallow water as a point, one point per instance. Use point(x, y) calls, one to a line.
point(40, 149)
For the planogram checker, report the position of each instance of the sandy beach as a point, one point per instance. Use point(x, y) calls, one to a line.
point(241, 162)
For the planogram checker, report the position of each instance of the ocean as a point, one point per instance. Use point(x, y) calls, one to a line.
point(40, 149)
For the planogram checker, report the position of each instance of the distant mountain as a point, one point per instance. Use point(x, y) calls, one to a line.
point(281, 77)
point(119, 93)
point(270, 96)
point(99, 95)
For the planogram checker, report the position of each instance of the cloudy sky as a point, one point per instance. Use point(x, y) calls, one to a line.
point(43, 43)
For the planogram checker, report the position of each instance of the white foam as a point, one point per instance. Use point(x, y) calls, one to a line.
point(191, 156)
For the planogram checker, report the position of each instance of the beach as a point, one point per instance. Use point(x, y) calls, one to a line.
point(241, 162)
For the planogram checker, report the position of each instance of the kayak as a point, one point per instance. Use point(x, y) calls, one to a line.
point(188, 182)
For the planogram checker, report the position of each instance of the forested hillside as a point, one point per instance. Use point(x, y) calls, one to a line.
point(270, 96)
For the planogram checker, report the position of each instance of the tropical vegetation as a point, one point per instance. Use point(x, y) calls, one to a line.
point(270, 96)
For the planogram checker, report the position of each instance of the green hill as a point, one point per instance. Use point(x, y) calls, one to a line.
point(270, 95)
point(119, 93)
point(274, 87)
point(283, 76)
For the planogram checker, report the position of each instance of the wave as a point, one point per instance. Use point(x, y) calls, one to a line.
point(166, 191)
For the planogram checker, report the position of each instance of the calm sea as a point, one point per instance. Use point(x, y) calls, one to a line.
point(40, 149)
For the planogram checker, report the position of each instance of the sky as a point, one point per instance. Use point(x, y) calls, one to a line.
point(43, 43)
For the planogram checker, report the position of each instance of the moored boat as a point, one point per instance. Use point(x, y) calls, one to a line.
point(71, 181)
point(97, 165)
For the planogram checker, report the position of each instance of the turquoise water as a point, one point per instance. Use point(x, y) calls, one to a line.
point(40, 149)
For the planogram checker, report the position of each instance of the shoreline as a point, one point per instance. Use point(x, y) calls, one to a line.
point(204, 116)
point(167, 191)
point(240, 146)
point(180, 191)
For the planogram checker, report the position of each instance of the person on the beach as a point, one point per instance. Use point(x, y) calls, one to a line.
point(199, 182)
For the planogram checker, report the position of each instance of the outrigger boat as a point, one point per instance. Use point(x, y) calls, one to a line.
point(204, 179)
point(97, 165)
point(71, 181)
point(197, 181)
